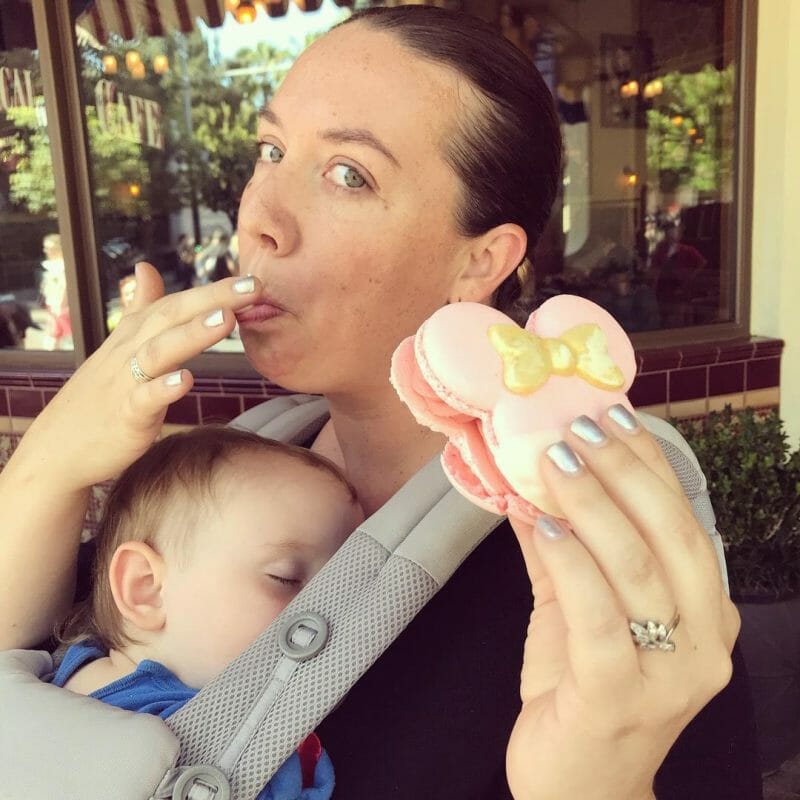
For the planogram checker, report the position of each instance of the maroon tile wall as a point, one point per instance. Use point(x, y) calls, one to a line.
point(664, 375)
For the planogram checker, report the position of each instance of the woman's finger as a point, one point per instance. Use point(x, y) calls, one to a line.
point(148, 402)
point(602, 655)
point(618, 483)
point(181, 307)
point(149, 286)
point(166, 351)
point(623, 556)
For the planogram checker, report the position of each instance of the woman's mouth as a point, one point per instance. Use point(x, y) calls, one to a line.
point(259, 312)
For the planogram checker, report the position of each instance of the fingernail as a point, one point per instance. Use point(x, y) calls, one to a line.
point(588, 430)
point(565, 458)
point(245, 285)
point(549, 528)
point(174, 378)
point(623, 418)
point(214, 318)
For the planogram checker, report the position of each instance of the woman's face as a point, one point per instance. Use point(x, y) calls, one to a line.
point(348, 219)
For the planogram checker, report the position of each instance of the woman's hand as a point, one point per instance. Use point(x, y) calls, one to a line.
point(599, 714)
point(103, 419)
point(100, 421)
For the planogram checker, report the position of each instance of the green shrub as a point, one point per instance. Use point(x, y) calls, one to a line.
point(754, 482)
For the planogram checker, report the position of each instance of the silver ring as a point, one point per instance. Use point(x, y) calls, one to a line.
point(651, 635)
point(139, 375)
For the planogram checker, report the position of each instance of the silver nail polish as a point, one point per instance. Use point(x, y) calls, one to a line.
point(244, 285)
point(549, 528)
point(214, 319)
point(174, 378)
point(587, 429)
point(623, 418)
point(565, 458)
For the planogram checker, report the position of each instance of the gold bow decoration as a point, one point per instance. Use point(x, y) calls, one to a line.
point(529, 360)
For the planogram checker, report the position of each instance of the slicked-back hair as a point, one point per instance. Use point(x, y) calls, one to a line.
point(507, 155)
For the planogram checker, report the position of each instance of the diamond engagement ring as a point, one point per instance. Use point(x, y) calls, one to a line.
point(650, 635)
point(139, 375)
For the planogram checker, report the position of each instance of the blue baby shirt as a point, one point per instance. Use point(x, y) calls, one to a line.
point(152, 689)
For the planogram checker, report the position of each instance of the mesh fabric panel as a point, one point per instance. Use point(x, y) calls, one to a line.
point(367, 602)
point(693, 483)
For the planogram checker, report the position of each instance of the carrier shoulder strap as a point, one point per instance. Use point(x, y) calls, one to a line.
point(332, 632)
point(248, 720)
point(244, 724)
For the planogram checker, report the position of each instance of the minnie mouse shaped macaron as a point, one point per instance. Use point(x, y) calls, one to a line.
point(503, 394)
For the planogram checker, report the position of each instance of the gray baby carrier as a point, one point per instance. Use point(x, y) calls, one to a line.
point(232, 737)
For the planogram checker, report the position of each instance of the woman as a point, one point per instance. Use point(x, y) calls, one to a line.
point(388, 184)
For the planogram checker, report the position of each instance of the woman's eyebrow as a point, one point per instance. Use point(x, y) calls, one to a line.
point(268, 115)
point(359, 136)
point(338, 135)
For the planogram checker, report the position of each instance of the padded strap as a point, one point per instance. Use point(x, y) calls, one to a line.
point(251, 717)
point(58, 744)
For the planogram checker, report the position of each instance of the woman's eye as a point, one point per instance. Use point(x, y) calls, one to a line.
point(269, 152)
point(344, 175)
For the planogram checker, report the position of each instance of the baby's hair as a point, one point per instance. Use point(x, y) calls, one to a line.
point(179, 469)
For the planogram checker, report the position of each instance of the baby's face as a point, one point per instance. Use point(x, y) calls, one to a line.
point(275, 523)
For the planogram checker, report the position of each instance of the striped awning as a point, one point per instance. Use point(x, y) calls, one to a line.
point(127, 17)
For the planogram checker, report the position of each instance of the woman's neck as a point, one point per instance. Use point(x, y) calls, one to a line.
point(378, 443)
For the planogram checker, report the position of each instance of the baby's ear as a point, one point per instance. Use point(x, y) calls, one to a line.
point(136, 577)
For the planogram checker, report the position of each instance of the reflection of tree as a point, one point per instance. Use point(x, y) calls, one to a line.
point(133, 180)
point(686, 138)
point(31, 182)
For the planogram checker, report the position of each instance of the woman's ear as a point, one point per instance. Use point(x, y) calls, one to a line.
point(136, 576)
point(492, 258)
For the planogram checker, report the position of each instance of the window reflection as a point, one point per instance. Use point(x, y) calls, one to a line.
point(646, 93)
point(171, 121)
point(34, 312)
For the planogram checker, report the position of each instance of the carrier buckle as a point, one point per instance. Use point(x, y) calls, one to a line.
point(303, 635)
point(201, 782)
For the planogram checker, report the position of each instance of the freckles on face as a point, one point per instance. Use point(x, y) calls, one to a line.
point(367, 266)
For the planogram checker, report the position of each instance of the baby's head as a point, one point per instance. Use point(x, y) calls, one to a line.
point(204, 540)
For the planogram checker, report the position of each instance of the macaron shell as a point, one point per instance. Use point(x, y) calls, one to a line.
point(559, 314)
point(457, 358)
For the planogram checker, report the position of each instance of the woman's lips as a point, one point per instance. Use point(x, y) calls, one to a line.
point(259, 312)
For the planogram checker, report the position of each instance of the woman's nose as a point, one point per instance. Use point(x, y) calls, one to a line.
point(266, 213)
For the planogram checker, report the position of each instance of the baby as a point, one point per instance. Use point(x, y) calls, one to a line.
point(203, 541)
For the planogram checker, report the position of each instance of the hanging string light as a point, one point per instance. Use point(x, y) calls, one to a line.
point(160, 64)
point(132, 58)
point(109, 64)
point(245, 12)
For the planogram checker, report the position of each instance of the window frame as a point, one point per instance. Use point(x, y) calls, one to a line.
point(74, 203)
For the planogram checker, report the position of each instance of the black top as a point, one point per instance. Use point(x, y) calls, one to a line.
point(431, 719)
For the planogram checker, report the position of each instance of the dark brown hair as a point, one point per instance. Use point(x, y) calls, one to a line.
point(179, 469)
point(508, 156)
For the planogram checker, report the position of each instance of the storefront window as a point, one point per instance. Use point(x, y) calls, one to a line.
point(34, 312)
point(647, 93)
point(647, 90)
point(171, 100)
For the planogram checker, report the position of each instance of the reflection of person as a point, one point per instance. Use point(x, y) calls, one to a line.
point(183, 589)
point(674, 266)
point(410, 159)
point(184, 261)
point(53, 288)
point(206, 262)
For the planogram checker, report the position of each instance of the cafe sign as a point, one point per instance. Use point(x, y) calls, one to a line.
point(128, 116)
point(16, 88)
